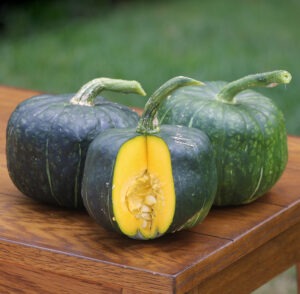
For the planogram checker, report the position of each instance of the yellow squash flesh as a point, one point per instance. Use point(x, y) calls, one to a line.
point(143, 193)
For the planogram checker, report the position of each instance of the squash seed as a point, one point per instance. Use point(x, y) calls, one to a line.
point(150, 200)
point(145, 208)
point(145, 224)
point(141, 198)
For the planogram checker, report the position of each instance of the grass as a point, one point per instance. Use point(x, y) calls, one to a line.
point(283, 284)
point(57, 50)
point(60, 45)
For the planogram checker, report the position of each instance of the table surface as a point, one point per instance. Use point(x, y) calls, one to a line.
point(236, 249)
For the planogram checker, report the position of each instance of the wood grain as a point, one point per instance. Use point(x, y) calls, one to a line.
point(45, 249)
point(49, 227)
point(12, 277)
point(256, 268)
point(6, 186)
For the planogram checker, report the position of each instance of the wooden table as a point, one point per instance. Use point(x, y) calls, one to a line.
point(44, 249)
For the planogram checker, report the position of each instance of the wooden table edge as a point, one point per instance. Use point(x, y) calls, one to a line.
point(173, 280)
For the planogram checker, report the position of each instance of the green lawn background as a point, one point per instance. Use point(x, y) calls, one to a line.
point(57, 47)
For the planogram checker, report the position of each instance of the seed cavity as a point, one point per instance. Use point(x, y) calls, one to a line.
point(142, 197)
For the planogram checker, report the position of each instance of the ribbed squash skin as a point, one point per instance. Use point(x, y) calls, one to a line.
point(193, 169)
point(248, 137)
point(47, 141)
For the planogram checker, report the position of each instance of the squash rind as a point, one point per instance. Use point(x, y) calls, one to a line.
point(193, 169)
point(248, 137)
point(47, 141)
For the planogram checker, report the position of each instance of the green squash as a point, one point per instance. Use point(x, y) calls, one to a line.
point(48, 137)
point(246, 129)
point(151, 180)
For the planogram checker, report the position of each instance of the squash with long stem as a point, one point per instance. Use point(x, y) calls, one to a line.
point(246, 129)
point(48, 137)
point(151, 180)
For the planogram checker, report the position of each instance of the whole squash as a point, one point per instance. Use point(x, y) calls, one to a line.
point(246, 129)
point(151, 180)
point(48, 136)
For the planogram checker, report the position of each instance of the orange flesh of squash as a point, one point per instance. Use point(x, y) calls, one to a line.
point(143, 193)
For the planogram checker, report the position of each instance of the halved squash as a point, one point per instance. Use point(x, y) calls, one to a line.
point(152, 180)
point(143, 193)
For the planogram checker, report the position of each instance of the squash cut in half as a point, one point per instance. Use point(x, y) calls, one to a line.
point(152, 180)
point(143, 196)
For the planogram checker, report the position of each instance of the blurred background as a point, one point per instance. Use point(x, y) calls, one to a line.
point(57, 46)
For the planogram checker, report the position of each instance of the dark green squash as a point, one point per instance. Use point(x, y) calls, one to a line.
point(246, 129)
point(48, 137)
point(151, 180)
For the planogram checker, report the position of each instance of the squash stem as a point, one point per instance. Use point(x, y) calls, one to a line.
point(267, 79)
point(88, 92)
point(148, 123)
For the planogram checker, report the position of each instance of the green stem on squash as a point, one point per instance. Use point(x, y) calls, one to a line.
point(88, 92)
point(267, 79)
point(148, 123)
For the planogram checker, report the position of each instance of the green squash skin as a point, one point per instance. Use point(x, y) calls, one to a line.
point(47, 140)
point(249, 138)
point(193, 168)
